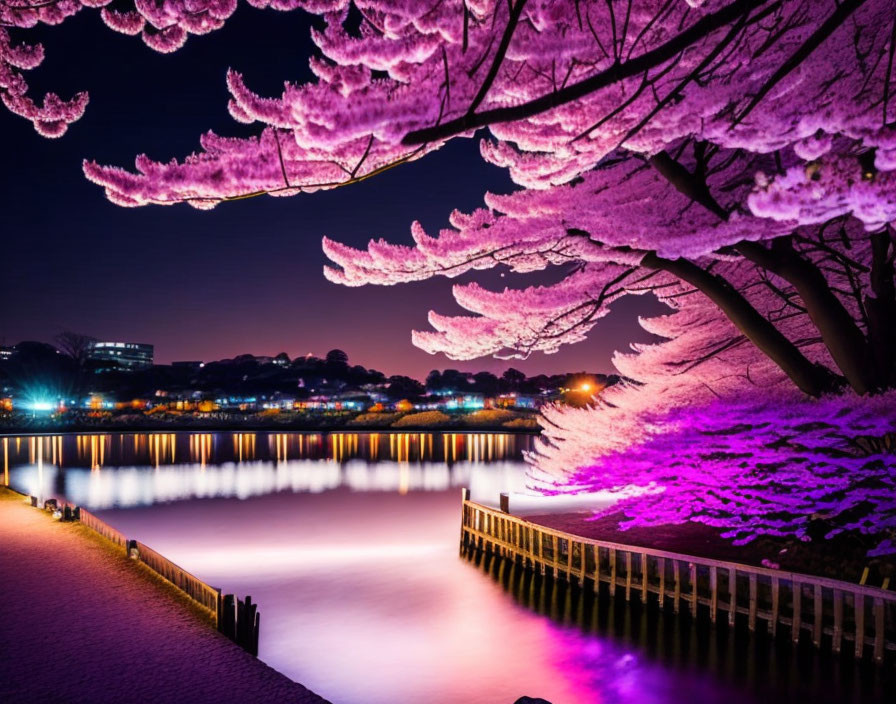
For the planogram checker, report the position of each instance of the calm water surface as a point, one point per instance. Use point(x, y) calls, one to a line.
point(349, 543)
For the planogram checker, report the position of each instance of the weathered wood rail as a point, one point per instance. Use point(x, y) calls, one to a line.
point(103, 528)
point(237, 619)
point(206, 596)
point(832, 613)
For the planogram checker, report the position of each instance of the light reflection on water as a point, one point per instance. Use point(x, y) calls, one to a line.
point(205, 465)
point(93, 451)
point(348, 542)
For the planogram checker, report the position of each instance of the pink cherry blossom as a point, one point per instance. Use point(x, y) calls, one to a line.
point(736, 159)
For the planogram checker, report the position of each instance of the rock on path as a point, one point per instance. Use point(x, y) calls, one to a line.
point(82, 623)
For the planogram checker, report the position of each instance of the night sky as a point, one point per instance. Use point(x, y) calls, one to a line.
point(246, 276)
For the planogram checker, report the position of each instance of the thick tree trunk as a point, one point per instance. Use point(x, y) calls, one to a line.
point(812, 379)
point(881, 309)
point(839, 332)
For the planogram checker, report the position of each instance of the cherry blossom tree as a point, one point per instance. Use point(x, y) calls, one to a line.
point(575, 96)
point(734, 158)
point(713, 432)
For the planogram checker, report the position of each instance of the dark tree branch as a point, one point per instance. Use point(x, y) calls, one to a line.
point(828, 27)
point(881, 307)
point(512, 21)
point(841, 335)
point(684, 182)
point(618, 71)
point(889, 73)
point(676, 91)
point(812, 379)
point(280, 157)
point(723, 347)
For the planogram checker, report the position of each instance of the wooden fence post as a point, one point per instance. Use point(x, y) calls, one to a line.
point(612, 556)
point(677, 597)
point(819, 612)
point(464, 519)
point(241, 621)
point(570, 548)
point(247, 624)
point(878, 629)
point(596, 584)
point(859, 613)
point(776, 601)
point(227, 623)
point(555, 557)
point(584, 563)
point(732, 596)
point(692, 575)
point(838, 620)
point(661, 566)
point(256, 629)
point(751, 623)
point(643, 557)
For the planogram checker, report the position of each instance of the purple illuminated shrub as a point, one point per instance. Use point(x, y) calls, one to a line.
point(758, 465)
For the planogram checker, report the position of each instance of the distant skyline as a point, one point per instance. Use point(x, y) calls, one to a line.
point(245, 277)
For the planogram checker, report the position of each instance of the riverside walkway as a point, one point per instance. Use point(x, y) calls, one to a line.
point(81, 622)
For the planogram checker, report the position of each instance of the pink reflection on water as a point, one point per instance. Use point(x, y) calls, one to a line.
point(363, 596)
point(364, 599)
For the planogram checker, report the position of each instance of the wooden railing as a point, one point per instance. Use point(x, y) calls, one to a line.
point(787, 602)
point(237, 619)
point(103, 528)
point(207, 596)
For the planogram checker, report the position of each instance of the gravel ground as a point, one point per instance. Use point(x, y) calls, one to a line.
point(82, 623)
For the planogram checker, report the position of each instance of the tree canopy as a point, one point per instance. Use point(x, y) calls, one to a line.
point(734, 158)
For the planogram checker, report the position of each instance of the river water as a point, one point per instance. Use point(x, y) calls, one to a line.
point(349, 544)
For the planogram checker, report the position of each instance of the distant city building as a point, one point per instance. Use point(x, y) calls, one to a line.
point(123, 356)
point(6, 352)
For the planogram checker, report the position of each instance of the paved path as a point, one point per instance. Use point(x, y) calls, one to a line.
point(82, 623)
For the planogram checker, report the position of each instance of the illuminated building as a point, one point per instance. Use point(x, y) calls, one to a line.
point(123, 356)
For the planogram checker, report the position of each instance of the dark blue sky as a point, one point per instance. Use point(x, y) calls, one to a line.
point(246, 276)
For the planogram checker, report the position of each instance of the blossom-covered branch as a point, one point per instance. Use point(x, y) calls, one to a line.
point(163, 25)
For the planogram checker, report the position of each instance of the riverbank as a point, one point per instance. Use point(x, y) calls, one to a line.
point(843, 557)
point(83, 623)
point(487, 421)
